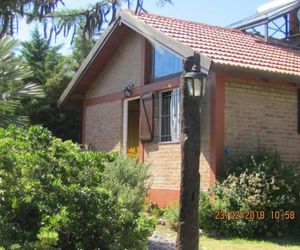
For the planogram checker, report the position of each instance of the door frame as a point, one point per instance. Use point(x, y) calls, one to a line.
point(125, 121)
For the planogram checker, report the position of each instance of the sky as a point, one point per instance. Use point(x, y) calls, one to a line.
point(215, 12)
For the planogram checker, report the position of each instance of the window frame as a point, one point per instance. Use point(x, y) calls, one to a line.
point(152, 68)
point(160, 118)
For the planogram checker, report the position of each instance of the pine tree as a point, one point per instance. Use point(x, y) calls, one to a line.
point(35, 52)
point(52, 71)
point(82, 47)
point(66, 21)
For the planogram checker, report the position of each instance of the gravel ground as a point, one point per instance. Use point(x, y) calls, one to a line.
point(159, 241)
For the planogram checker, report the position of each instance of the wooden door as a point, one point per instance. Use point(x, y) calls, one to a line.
point(133, 129)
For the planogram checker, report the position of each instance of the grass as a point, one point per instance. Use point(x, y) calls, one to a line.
point(208, 243)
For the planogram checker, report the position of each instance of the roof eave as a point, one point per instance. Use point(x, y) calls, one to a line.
point(257, 73)
point(87, 62)
point(145, 30)
point(159, 37)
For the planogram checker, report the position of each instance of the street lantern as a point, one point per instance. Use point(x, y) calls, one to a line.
point(193, 84)
point(196, 82)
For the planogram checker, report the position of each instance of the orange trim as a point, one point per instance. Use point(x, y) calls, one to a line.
point(143, 82)
point(83, 129)
point(166, 84)
point(143, 61)
point(217, 126)
point(218, 116)
point(161, 85)
point(162, 197)
point(141, 152)
point(103, 99)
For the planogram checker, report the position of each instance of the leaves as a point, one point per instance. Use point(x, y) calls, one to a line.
point(64, 22)
point(52, 71)
point(258, 183)
point(12, 91)
point(53, 197)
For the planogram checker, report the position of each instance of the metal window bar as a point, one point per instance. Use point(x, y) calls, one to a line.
point(169, 115)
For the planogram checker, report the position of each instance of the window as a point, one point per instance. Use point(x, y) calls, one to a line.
point(165, 64)
point(169, 115)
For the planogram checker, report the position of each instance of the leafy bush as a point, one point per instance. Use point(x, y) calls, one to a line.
point(52, 195)
point(256, 182)
point(171, 215)
point(125, 178)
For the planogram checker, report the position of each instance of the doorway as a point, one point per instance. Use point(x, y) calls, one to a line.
point(131, 126)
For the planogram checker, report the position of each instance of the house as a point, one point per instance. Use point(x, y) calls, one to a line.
point(252, 95)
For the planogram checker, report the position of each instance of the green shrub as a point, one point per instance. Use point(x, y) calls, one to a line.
point(206, 213)
point(258, 182)
point(171, 215)
point(52, 195)
point(126, 178)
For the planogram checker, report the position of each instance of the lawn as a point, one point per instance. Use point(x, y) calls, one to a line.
point(207, 243)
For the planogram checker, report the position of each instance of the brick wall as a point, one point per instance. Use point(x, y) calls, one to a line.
point(104, 121)
point(104, 126)
point(123, 68)
point(205, 139)
point(165, 158)
point(165, 164)
point(261, 114)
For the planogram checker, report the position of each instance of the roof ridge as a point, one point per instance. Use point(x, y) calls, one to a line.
point(273, 41)
point(227, 46)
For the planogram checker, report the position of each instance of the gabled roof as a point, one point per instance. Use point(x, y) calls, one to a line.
point(226, 48)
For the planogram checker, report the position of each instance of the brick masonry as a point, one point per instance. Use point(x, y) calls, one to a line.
point(123, 68)
point(104, 126)
point(165, 158)
point(104, 122)
point(261, 114)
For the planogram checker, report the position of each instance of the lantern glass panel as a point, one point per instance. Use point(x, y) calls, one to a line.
point(197, 86)
point(203, 86)
point(190, 82)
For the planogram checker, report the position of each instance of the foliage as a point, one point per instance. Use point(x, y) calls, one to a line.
point(125, 178)
point(153, 210)
point(52, 196)
point(12, 88)
point(171, 215)
point(206, 213)
point(82, 47)
point(228, 243)
point(10, 10)
point(51, 71)
point(35, 53)
point(260, 182)
point(65, 21)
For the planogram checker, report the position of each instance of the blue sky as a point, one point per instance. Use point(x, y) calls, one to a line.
point(216, 12)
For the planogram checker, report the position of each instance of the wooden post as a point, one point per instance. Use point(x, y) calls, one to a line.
point(188, 231)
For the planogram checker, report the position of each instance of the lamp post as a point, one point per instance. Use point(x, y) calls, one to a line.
point(193, 84)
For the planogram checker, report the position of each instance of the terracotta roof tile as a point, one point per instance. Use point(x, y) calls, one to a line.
point(228, 46)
